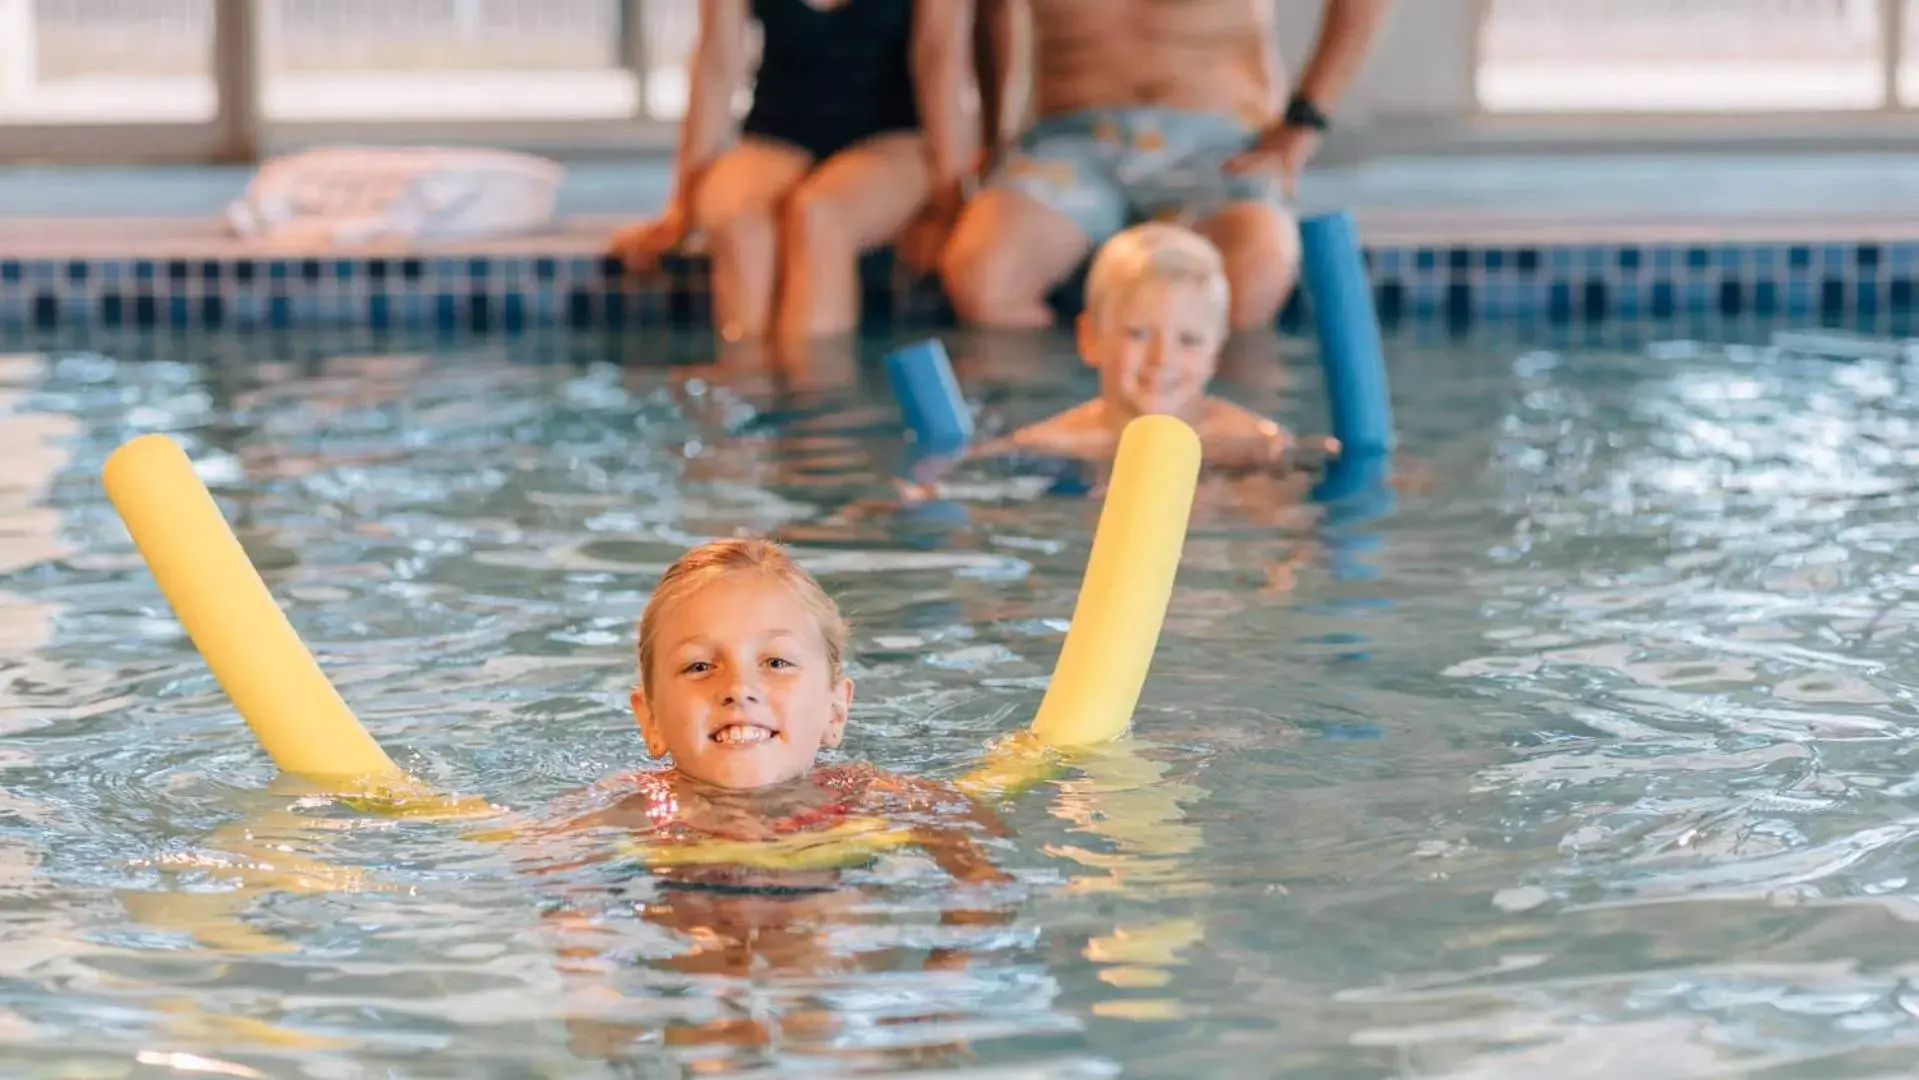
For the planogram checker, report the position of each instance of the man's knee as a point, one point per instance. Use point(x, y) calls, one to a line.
point(1000, 263)
point(973, 267)
point(1260, 245)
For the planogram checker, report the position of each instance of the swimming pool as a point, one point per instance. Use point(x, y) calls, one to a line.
point(1594, 755)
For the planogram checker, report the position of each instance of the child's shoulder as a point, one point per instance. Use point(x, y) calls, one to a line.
point(1081, 431)
point(642, 798)
point(849, 778)
point(870, 780)
point(862, 777)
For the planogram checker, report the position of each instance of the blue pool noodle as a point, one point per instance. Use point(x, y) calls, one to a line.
point(1349, 347)
point(930, 400)
point(1356, 488)
point(1356, 492)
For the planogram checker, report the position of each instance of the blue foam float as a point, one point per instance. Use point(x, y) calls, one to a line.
point(1356, 490)
point(929, 397)
point(1350, 352)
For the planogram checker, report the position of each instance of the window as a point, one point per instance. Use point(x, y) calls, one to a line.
point(1907, 73)
point(445, 60)
point(669, 31)
point(95, 62)
point(198, 80)
point(1564, 56)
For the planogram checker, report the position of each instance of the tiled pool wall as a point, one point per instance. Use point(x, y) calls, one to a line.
point(238, 351)
point(1850, 283)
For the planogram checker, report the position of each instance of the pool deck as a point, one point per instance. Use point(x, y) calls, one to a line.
point(69, 212)
point(1478, 236)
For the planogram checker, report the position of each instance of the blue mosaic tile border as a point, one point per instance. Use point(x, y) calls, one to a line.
point(232, 350)
point(454, 294)
point(1830, 281)
point(1834, 282)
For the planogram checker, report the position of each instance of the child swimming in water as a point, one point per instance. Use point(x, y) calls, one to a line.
point(742, 682)
point(1154, 323)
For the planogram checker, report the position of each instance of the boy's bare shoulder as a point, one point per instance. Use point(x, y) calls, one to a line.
point(1081, 431)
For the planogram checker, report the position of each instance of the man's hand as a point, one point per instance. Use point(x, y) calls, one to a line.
point(923, 240)
point(1281, 152)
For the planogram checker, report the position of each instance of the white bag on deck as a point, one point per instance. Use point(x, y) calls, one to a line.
point(348, 195)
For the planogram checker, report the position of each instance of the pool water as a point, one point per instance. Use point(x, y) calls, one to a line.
point(1592, 757)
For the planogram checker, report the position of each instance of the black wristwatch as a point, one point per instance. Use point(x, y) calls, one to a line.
point(1301, 112)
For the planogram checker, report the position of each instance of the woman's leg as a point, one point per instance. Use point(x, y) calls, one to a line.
point(857, 199)
point(737, 205)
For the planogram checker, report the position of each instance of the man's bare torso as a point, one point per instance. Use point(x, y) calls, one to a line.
point(1204, 55)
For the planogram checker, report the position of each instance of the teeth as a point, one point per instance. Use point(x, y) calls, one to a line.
point(741, 733)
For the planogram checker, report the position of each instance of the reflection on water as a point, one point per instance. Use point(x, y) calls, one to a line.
point(1573, 742)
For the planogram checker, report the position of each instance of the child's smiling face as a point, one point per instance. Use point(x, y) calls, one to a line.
point(1156, 347)
point(742, 692)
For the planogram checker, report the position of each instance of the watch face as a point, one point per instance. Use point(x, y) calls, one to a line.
point(1303, 113)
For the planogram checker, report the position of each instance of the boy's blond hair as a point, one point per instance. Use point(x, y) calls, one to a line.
point(1155, 251)
point(716, 559)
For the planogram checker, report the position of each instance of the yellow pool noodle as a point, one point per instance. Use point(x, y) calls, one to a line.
point(1121, 607)
point(306, 728)
point(300, 719)
point(1128, 584)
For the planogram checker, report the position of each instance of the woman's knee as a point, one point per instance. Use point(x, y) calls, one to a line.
point(861, 197)
point(742, 193)
point(724, 222)
point(813, 219)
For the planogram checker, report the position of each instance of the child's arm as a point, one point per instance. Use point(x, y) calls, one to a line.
point(961, 856)
point(959, 853)
point(1237, 437)
point(1080, 432)
point(581, 943)
point(582, 948)
point(952, 847)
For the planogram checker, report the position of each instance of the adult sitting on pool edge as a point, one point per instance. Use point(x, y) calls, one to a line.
point(833, 159)
point(1145, 107)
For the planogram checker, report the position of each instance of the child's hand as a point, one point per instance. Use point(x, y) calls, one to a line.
point(911, 494)
point(921, 482)
point(1312, 452)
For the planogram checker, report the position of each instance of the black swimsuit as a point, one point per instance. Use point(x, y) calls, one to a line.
point(829, 78)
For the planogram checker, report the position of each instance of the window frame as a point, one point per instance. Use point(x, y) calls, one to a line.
point(240, 133)
point(1418, 95)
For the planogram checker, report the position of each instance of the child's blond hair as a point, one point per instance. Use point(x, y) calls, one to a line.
point(716, 559)
point(1156, 251)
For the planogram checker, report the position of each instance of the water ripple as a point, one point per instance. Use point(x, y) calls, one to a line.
point(1592, 758)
